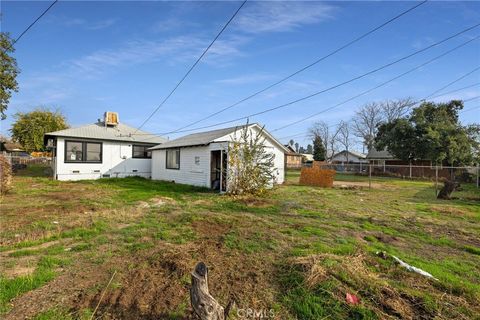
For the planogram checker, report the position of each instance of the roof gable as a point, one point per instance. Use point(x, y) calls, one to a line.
point(207, 137)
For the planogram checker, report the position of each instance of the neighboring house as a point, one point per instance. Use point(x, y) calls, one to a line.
point(107, 148)
point(293, 159)
point(12, 149)
point(349, 157)
point(308, 157)
point(201, 159)
point(377, 157)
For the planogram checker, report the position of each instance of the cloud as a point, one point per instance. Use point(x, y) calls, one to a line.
point(173, 50)
point(82, 23)
point(275, 16)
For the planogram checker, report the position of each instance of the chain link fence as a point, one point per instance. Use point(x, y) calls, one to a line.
point(368, 173)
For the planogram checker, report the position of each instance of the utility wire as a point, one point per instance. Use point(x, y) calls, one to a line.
point(348, 81)
point(30, 26)
point(302, 69)
point(454, 81)
point(380, 85)
point(191, 68)
point(409, 105)
point(303, 134)
point(469, 109)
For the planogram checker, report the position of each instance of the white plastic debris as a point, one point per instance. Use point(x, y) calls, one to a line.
point(414, 269)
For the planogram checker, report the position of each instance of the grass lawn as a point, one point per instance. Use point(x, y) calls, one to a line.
point(295, 253)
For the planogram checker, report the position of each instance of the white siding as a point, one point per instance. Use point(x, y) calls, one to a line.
point(270, 145)
point(199, 175)
point(189, 172)
point(117, 161)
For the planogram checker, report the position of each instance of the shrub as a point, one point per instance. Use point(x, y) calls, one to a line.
point(5, 175)
point(317, 177)
point(250, 165)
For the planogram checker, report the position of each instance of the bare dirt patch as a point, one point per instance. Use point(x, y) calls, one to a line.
point(156, 282)
point(356, 185)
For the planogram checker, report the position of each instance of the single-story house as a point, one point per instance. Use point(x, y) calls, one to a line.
point(106, 148)
point(349, 157)
point(12, 148)
point(308, 157)
point(293, 159)
point(201, 159)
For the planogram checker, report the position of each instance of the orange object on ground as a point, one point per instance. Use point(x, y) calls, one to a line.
point(317, 177)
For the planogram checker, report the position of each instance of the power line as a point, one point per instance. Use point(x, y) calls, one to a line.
point(469, 109)
point(347, 81)
point(30, 26)
point(304, 68)
point(380, 85)
point(456, 90)
point(454, 81)
point(303, 134)
point(191, 68)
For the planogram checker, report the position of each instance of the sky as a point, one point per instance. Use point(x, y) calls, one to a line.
point(86, 57)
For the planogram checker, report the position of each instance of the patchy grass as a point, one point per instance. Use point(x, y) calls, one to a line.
point(297, 252)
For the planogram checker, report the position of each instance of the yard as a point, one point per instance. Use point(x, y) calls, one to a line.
point(293, 254)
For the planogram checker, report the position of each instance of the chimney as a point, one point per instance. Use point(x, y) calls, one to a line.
point(111, 119)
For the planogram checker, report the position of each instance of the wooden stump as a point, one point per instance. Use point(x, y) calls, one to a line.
point(447, 189)
point(204, 305)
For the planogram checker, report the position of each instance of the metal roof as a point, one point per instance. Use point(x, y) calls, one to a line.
point(99, 131)
point(197, 139)
point(382, 154)
point(207, 137)
point(354, 153)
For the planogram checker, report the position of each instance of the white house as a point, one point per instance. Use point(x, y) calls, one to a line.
point(107, 148)
point(201, 159)
point(352, 157)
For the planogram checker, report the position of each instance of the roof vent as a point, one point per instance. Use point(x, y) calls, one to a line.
point(111, 118)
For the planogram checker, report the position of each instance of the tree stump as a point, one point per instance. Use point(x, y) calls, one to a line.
point(447, 189)
point(204, 305)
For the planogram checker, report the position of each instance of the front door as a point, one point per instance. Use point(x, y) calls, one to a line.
point(218, 170)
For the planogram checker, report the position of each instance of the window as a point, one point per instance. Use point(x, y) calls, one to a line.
point(173, 159)
point(141, 152)
point(83, 152)
point(74, 151)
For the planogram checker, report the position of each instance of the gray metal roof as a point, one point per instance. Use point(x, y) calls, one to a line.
point(197, 139)
point(99, 131)
point(354, 153)
point(382, 154)
point(207, 137)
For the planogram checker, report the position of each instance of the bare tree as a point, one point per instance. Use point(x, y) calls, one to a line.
point(365, 122)
point(343, 137)
point(395, 109)
point(321, 129)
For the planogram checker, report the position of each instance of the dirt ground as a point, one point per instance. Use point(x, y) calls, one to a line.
point(298, 251)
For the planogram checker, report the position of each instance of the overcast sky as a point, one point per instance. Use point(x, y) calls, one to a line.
point(88, 57)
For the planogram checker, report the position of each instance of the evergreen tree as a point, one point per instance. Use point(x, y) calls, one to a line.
point(319, 152)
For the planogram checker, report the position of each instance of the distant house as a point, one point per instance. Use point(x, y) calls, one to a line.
point(106, 148)
point(12, 148)
point(308, 157)
point(201, 159)
point(380, 157)
point(293, 159)
point(349, 157)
